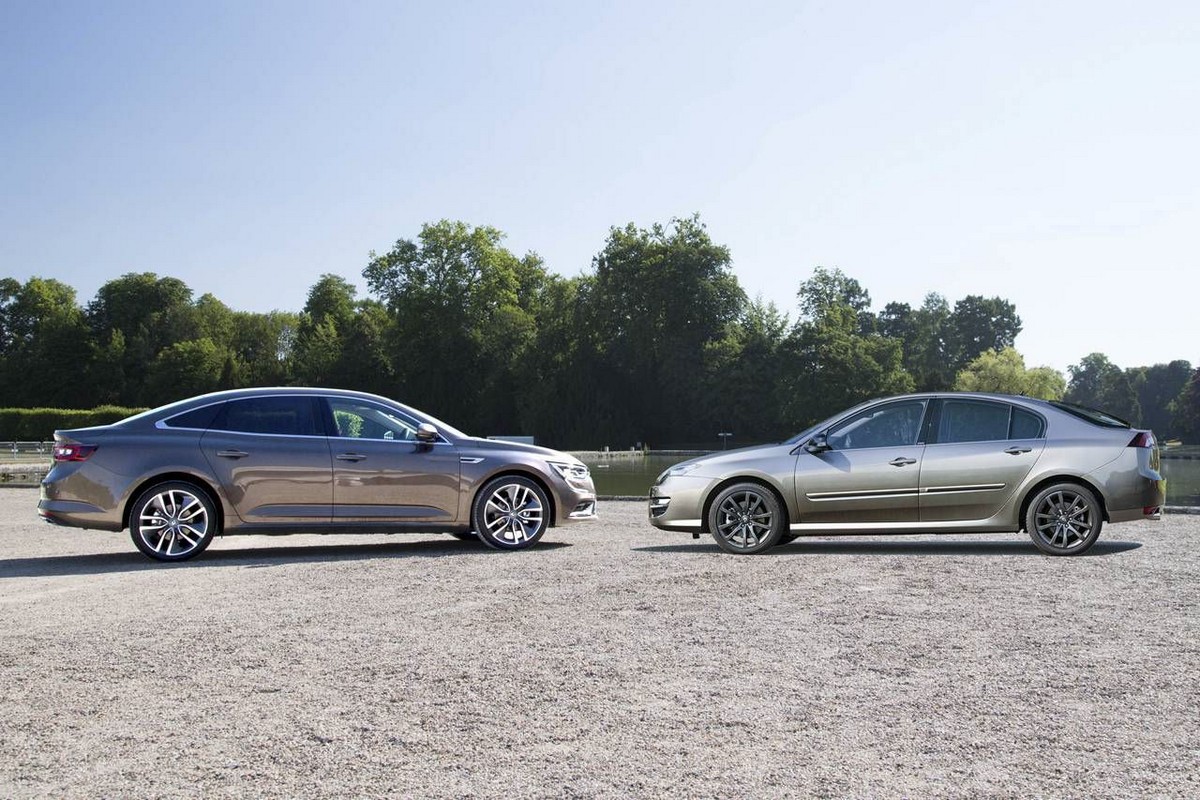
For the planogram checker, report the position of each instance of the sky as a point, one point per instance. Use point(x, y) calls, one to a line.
point(1044, 152)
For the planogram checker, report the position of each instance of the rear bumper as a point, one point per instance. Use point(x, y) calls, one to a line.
point(74, 514)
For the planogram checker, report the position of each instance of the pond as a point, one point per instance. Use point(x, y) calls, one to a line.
point(626, 474)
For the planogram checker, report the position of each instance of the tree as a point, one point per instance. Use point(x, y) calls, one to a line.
point(831, 362)
point(461, 322)
point(744, 372)
point(981, 323)
point(658, 298)
point(185, 369)
point(925, 334)
point(1186, 410)
point(1158, 387)
point(1004, 372)
point(151, 314)
point(1098, 383)
point(45, 345)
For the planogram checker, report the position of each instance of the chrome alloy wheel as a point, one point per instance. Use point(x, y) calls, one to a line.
point(514, 514)
point(1064, 520)
point(173, 524)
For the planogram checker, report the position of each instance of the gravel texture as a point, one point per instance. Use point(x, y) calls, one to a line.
point(611, 660)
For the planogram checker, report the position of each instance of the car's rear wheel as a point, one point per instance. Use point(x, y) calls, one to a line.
point(510, 513)
point(746, 518)
point(173, 521)
point(1064, 519)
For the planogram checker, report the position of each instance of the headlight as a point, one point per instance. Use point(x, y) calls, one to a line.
point(570, 472)
point(676, 471)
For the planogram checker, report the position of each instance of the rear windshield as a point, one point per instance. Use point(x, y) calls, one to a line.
point(1091, 415)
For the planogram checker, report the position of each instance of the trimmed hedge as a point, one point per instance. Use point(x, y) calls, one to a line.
point(39, 424)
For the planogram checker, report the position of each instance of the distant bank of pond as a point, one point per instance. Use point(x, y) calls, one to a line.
point(633, 474)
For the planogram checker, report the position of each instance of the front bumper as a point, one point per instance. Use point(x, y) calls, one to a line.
point(677, 504)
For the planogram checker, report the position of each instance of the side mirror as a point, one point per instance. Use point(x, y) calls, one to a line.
point(818, 444)
point(426, 433)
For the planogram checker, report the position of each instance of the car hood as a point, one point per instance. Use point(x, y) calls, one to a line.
point(499, 445)
point(715, 464)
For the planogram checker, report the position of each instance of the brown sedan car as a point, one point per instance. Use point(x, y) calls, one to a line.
point(300, 460)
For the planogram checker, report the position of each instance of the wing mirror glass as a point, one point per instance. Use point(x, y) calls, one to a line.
point(426, 433)
point(818, 444)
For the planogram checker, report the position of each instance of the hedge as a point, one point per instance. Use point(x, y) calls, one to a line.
point(39, 424)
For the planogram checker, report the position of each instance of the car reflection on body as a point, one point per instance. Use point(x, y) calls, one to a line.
point(924, 463)
point(301, 460)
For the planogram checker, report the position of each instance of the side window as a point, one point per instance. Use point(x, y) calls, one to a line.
point(972, 421)
point(199, 418)
point(360, 420)
point(891, 425)
point(283, 416)
point(1025, 425)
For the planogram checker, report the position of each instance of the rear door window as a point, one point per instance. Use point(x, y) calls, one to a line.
point(280, 416)
point(981, 421)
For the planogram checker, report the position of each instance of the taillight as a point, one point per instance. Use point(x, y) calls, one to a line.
point(1142, 439)
point(73, 451)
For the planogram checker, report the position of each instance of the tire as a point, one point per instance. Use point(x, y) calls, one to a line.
point(788, 538)
point(510, 513)
point(1064, 519)
point(746, 518)
point(173, 521)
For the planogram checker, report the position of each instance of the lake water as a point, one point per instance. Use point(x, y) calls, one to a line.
point(622, 474)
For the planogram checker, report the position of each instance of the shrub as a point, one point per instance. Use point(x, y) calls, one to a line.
point(39, 424)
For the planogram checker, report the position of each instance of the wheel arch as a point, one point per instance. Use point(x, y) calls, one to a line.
point(727, 482)
point(1050, 481)
point(508, 472)
point(180, 477)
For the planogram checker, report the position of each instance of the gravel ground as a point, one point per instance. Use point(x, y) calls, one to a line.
point(611, 660)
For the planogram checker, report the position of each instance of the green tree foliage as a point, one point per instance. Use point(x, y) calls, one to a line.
point(926, 335)
point(1157, 389)
point(1004, 371)
point(1186, 410)
point(659, 297)
point(656, 343)
point(745, 372)
point(463, 318)
point(1098, 383)
point(185, 369)
point(979, 324)
point(44, 344)
point(830, 361)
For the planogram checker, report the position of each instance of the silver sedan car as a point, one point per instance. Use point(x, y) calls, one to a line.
point(924, 463)
point(298, 460)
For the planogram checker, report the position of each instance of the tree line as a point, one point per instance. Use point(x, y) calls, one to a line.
point(656, 344)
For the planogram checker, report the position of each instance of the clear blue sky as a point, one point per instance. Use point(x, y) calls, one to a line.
point(1045, 152)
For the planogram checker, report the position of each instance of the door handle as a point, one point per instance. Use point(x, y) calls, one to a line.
point(901, 461)
point(1016, 451)
point(232, 453)
point(350, 456)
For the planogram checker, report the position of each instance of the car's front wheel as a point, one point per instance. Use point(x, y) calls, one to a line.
point(1064, 519)
point(173, 521)
point(510, 512)
point(746, 518)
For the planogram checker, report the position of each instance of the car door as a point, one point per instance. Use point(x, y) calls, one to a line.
point(979, 452)
point(870, 469)
point(381, 473)
point(271, 457)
